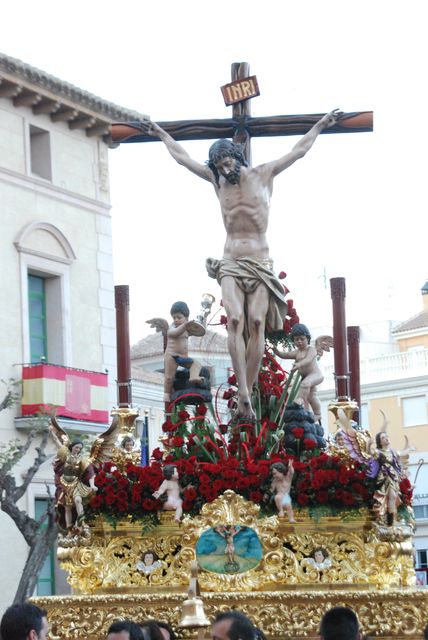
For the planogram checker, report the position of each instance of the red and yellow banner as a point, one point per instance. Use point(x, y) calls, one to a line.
point(75, 393)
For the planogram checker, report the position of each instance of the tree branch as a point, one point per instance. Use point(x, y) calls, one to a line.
point(38, 461)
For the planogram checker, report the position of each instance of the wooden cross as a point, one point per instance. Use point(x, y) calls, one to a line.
point(242, 126)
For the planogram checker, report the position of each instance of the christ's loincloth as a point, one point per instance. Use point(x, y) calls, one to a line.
point(249, 273)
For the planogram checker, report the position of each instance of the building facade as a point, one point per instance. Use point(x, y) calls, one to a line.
point(57, 330)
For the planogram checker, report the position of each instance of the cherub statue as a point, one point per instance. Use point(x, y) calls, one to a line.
point(306, 363)
point(75, 474)
point(126, 453)
point(320, 559)
point(149, 562)
point(171, 486)
point(177, 350)
point(282, 476)
point(388, 468)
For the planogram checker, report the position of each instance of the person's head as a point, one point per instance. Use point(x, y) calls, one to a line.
point(24, 622)
point(233, 625)
point(166, 630)
point(319, 555)
point(127, 443)
point(278, 470)
point(124, 630)
point(151, 630)
point(226, 158)
point(76, 446)
point(149, 557)
point(340, 623)
point(300, 331)
point(170, 471)
point(382, 440)
point(339, 439)
point(180, 312)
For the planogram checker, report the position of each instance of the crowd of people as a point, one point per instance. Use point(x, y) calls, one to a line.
point(29, 622)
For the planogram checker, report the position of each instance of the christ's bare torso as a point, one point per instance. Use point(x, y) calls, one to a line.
point(245, 210)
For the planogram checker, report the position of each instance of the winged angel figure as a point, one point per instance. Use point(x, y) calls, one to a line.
point(176, 352)
point(75, 473)
point(306, 359)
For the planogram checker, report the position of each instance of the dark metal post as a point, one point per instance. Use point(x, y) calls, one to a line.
point(338, 295)
point(123, 349)
point(354, 365)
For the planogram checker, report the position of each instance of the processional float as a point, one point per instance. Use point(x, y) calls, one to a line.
point(130, 556)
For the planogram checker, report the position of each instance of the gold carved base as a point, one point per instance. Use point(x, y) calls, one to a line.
point(285, 591)
point(394, 613)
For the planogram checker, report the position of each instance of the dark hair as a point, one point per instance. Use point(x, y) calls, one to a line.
point(19, 619)
point(224, 149)
point(280, 466)
point(151, 630)
point(165, 625)
point(180, 307)
point(135, 632)
point(339, 623)
point(300, 330)
point(168, 471)
point(241, 628)
point(127, 439)
point(377, 438)
point(323, 551)
point(151, 553)
point(74, 442)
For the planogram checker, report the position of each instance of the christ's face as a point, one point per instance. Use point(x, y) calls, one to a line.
point(229, 168)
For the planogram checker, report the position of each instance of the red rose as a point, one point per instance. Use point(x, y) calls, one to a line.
point(309, 444)
point(229, 393)
point(290, 303)
point(96, 502)
point(297, 432)
point(177, 441)
point(110, 499)
point(190, 494)
point(183, 415)
point(223, 428)
point(201, 410)
point(282, 275)
point(223, 320)
point(303, 499)
point(231, 379)
point(295, 320)
point(148, 504)
point(157, 454)
point(256, 496)
point(287, 326)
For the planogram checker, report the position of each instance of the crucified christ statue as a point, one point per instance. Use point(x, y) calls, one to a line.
point(252, 295)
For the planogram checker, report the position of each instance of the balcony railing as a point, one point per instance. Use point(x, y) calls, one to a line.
point(74, 393)
point(405, 364)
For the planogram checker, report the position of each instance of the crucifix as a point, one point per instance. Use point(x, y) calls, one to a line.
point(241, 127)
point(253, 297)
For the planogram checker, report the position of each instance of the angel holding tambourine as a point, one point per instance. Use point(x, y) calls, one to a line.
point(75, 474)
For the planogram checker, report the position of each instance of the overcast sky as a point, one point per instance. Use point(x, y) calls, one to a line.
point(355, 206)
